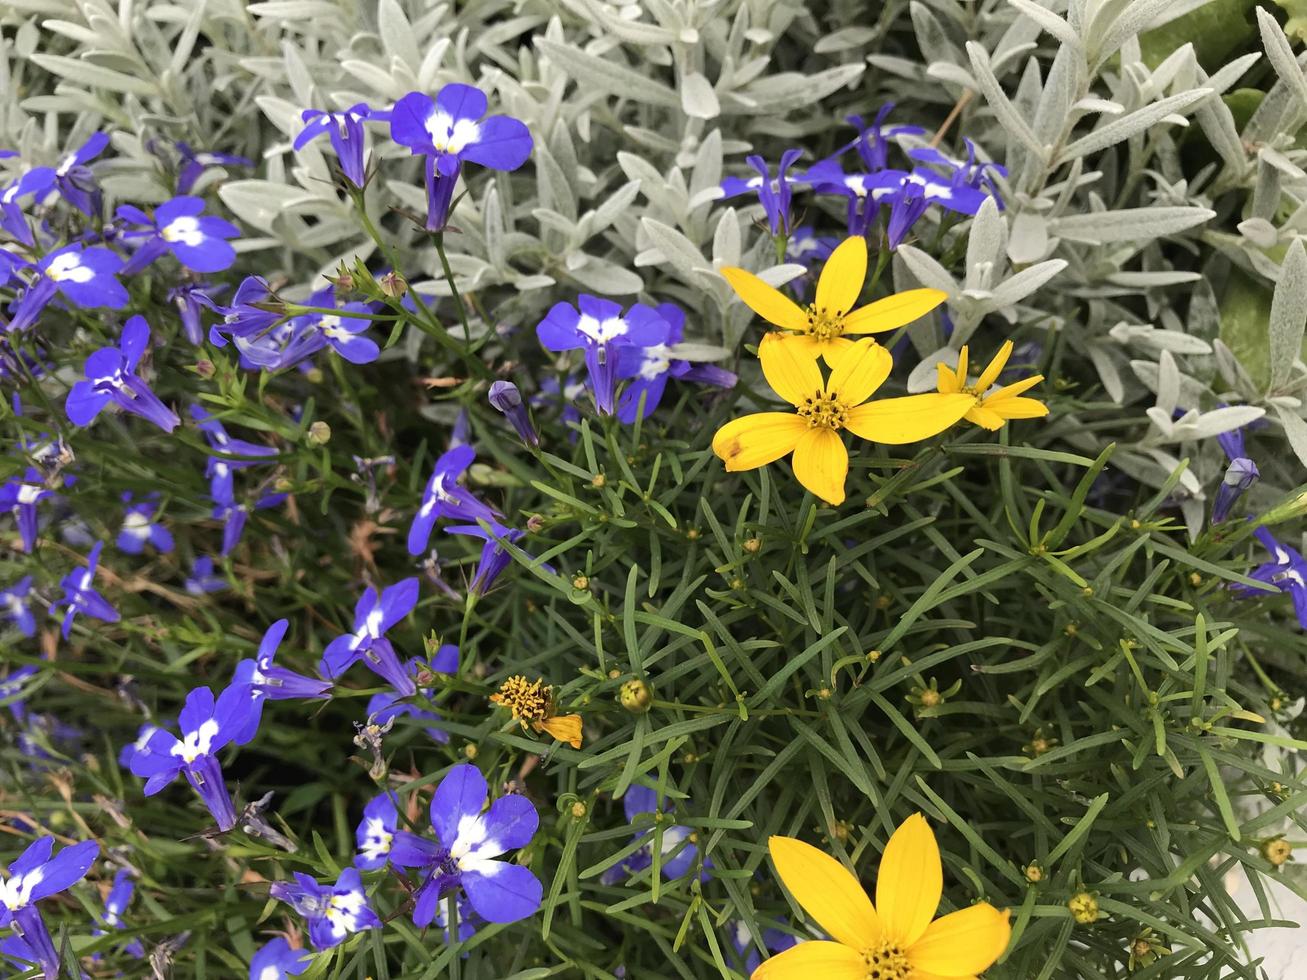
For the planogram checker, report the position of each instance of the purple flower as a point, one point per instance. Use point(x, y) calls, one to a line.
point(74, 179)
point(120, 896)
point(978, 176)
point(445, 498)
point(80, 595)
point(598, 328)
point(907, 205)
point(111, 378)
point(376, 833)
point(12, 690)
point(863, 191)
point(1241, 474)
point(505, 398)
point(246, 324)
point(20, 498)
point(220, 467)
point(12, 218)
point(196, 240)
point(206, 726)
point(873, 141)
point(269, 682)
point(139, 528)
point(35, 875)
point(467, 843)
point(650, 367)
point(309, 333)
point(450, 132)
point(773, 193)
point(83, 276)
point(388, 705)
point(276, 961)
point(198, 161)
point(1287, 571)
point(640, 800)
point(373, 616)
point(130, 750)
point(333, 912)
point(233, 516)
point(202, 579)
point(494, 556)
point(346, 132)
point(14, 605)
point(190, 299)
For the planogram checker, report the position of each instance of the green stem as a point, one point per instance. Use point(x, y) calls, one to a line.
point(439, 238)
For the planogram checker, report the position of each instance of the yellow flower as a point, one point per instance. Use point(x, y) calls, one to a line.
point(894, 939)
point(532, 704)
point(992, 409)
point(821, 462)
point(820, 328)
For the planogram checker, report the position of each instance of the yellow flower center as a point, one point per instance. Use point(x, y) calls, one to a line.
point(823, 323)
point(527, 700)
point(823, 409)
point(885, 961)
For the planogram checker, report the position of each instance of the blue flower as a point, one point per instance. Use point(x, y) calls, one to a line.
point(12, 686)
point(80, 595)
point(86, 277)
point(220, 467)
point(35, 875)
point(599, 327)
point(130, 750)
point(450, 132)
point(979, 176)
point(74, 179)
point(373, 616)
point(872, 142)
point(20, 498)
point(115, 904)
point(388, 705)
point(445, 498)
point(506, 399)
point(1287, 571)
point(346, 132)
point(464, 853)
point(111, 378)
point(12, 218)
point(776, 940)
point(202, 579)
point(15, 606)
point(269, 682)
point(233, 516)
point(640, 800)
point(494, 556)
point(376, 833)
point(650, 367)
point(198, 161)
point(139, 527)
point(863, 191)
point(190, 298)
point(773, 193)
point(333, 912)
point(206, 726)
point(196, 240)
point(311, 332)
point(1240, 475)
point(276, 961)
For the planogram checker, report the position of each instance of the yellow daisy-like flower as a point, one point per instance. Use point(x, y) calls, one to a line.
point(532, 704)
point(894, 939)
point(820, 328)
point(821, 462)
point(992, 409)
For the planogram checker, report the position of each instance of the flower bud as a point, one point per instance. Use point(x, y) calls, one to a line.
point(505, 398)
point(1277, 851)
point(636, 696)
point(393, 285)
point(319, 433)
point(1239, 476)
point(1084, 908)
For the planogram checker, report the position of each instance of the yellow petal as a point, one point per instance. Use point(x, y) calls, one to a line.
point(948, 383)
point(565, 728)
point(827, 891)
point(894, 311)
point(821, 464)
point(767, 301)
point(789, 364)
point(910, 881)
point(994, 368)
point(1017, 387)
point(962, 943)
point(810, 960)
point(859, 371)
point(985, 417)
point(756, 440)
point(964, 365)
point(1018, 408)
point(831, 349)
point(895, 421)
point(842, 276)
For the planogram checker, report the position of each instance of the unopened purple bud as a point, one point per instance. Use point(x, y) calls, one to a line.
point(1241, 474)
point(505, 397)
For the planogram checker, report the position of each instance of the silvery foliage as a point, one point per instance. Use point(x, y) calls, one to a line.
point(639, 108)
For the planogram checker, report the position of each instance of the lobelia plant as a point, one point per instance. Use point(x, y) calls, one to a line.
point(498, 334)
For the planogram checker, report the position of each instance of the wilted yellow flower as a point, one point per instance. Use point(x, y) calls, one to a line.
point(819, 329)
point(532, 704)
point(894, 939)
point(992, 409)
point(821, 462)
